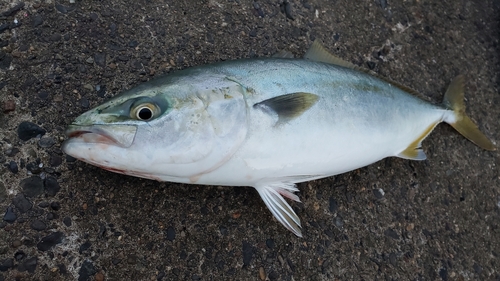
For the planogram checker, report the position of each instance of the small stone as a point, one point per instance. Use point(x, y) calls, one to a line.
point(51, 186)
point(379, 193)
point(90, 60)
point(334, 205)
point(10, 216)
point(93, 16)
point(223, 230)
point(50, 241)
point(5, 59)
point(43, 94)
point(67, 221)
point(247, 253)
point(132, 259)
point(19, 256)
point(43, 204)
point(55, 160)
point(6, 264)
point(16, 54)
point(170, 233)
point(52, 216)
point(37, 20)
point(27, 130)
point(56, 206)
point(393, 259)
point(32, 186)
point(273, 275)
point(371, 65)
point(12, 166)
point(29, 265)
point(38, 225)
point(62, 9)
point(70, 159)
point(477, 268)
point(100, 59)
point(12, 11)
point(391, 233)
point(33, 167)
point(443, 273)
point(55, 37)
point(410, 226)
point(62, 268)
point(262, 273)
point(99, 277)
point(46, 142)
point(253, 33)
point(8, 106)
point(21, 203)
point(288, 10)
point(3, 192)
point(84, 247)
point(84, 103)
point(17, 243)
point(339, 222)
point(270, 243)
point(11, 152)
point(58, 98)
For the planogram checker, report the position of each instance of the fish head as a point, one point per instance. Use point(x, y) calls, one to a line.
point(162, 130)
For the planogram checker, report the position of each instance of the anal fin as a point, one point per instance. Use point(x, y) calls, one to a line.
point(414, 150)
point(272, 195)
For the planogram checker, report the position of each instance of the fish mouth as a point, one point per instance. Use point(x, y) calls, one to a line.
point(117, 135)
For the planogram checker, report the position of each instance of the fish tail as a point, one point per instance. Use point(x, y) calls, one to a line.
point(454, 100)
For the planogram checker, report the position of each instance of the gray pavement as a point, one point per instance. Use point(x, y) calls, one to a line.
point(395, 220)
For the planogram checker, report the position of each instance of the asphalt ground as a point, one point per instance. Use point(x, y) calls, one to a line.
point(437, 219)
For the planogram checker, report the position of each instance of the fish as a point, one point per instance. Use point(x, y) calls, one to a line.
point(266, 123)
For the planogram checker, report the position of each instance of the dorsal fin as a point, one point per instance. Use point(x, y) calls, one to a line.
point(283, 54)
point(319, 53)
point(288, 106)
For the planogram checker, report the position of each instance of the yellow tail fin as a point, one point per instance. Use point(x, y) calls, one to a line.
point(454, 100)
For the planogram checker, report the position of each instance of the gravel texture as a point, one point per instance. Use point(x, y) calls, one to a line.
point(437, 219)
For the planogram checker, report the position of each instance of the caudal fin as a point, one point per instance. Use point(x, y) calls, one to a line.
point(454, 100)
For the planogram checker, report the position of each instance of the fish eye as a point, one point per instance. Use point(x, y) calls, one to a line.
point(144, 112)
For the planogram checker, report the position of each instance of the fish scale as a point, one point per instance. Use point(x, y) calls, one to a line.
point(267, 123)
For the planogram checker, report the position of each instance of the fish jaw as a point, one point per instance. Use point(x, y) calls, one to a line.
point(119, 135)
point(84, 140)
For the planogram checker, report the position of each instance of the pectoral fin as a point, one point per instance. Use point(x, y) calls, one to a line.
point(288, 106)
point(272, 195)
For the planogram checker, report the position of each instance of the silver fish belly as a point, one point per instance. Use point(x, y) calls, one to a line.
point(267, 123)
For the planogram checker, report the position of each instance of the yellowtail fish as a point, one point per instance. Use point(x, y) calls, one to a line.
point(267, 123)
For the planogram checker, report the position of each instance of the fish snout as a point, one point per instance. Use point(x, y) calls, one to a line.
point(117, 135)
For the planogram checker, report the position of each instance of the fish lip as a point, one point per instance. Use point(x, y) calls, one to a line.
point(118, 135)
